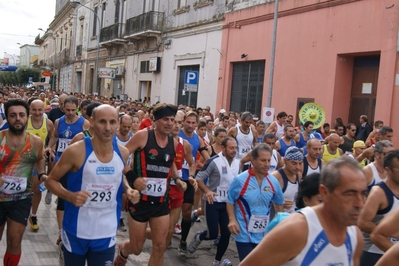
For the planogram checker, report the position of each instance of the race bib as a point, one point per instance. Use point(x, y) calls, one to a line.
point(14, 185)
point(221, 194)
point(102, 195)
point(257, 224)
point(63, 144)
point(156, 187)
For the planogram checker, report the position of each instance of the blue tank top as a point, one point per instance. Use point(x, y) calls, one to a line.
point(284, 147)
point(302, 142)
point(66, 132)
point(99, 217)
point(195, 145)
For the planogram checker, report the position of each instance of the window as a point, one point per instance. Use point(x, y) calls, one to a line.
point(95, 21)
point(117, 11)
point(66, 40)
point(103, 15)
point(144, 67)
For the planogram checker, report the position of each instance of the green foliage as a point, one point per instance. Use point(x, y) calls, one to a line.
point(8, 78)
point(23, 74)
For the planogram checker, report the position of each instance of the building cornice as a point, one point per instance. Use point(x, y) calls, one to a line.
point(287, 12)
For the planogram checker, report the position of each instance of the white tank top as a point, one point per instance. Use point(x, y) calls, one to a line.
point(376, 177)
point(123, 143)
point(318, 251)
point(279, 130)
point(244, 142)
point(273, 162)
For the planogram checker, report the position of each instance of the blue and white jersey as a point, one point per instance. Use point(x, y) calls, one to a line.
point(318, 250)
point(3, 125)
point(244, 141)
point(123, 143)
point(195, 145)
point(66, 132)
point(252, 204)
point(99, 217)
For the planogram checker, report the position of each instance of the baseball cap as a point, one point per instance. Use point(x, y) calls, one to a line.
point(359, 144)
point(222, 111)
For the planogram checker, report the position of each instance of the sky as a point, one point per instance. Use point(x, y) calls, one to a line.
point(19, 23)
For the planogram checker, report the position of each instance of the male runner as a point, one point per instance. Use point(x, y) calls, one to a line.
point(381, 201)
point(93, 194)
point(326, 233)
point(20, 151)
point(187, 132)
point(154, 153)
point(41, 127)
point(219, 172)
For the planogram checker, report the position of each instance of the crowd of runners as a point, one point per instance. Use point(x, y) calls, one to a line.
point(288, 195)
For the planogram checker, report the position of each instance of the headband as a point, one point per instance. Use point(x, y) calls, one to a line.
point(167, 111)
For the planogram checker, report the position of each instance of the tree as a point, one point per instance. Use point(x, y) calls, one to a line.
point(23, 74)
point(8, 78)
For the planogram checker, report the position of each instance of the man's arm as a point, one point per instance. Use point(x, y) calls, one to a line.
point(232, 132)
point(71, 160)
point(86, 125)
point(77, 137)
point(138, 141)
point(359, 248)
point(204, 152)
point(272, 128)
point(274, 249)
point(388, 227)
point(53, 138)
point(233, 226)
point(132, 194)
point(191, 164)
point(40, 164)
point(374, 202)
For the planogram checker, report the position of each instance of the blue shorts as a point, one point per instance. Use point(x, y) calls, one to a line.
point(80, 246)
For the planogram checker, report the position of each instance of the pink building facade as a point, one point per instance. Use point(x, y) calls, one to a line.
point(341, 54)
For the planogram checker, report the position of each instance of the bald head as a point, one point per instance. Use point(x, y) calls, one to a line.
point(180, 113)
point(126, 119)
point(312, 142)
point(103, 109)
point(334, 137)
point(37, 104)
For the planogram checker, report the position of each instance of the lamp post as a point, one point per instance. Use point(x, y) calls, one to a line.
point(98, 40)
point(15, 61)
point(30, 55)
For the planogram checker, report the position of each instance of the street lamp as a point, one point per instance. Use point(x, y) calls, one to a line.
point(15, 61)
point(30, 55)
point(98, 40)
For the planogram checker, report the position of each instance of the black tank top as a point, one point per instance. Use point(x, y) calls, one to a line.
point(154, 161)
point(213, 152)
point(347, 145)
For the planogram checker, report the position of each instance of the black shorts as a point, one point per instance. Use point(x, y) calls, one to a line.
point(17, 211)
point(144, 210)
point(61, 202)
point(189, 193)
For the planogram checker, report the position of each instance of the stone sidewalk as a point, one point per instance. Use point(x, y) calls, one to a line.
point(40, 249)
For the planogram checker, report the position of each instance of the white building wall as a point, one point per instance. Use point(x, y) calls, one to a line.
point(195, 49)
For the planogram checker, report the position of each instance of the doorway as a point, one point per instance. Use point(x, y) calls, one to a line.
point(364, 88)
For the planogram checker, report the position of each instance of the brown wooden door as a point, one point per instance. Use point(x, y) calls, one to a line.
point(364, 88)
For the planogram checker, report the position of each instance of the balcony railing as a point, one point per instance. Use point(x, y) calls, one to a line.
point(111, 32)
point(78, 50)
point(150, 21)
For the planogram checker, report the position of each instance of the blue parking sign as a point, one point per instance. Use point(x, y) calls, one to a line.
point(191, 81)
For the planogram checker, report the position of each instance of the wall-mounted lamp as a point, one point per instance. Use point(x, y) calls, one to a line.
point(243, 56)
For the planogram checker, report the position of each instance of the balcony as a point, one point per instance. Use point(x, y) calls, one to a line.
point(38, 40)
point(78, 50)
point(64, 56)
point(112, 34)
point(147, 24)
